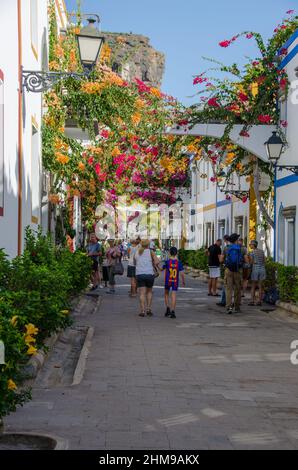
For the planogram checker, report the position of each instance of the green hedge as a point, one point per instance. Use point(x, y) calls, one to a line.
point(196, 259)
point(35, 293)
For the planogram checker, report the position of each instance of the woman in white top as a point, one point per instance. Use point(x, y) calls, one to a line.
point(145, 261)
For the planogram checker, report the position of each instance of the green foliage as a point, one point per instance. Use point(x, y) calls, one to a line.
point(287, 280)
point(195, 259)
point(35, 293)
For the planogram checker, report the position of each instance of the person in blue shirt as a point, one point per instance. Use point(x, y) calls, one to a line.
point(172, 268)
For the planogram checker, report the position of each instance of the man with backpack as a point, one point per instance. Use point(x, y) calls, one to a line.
point(233, 257)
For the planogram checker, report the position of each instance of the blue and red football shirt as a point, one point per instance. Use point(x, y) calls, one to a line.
point(172, 269)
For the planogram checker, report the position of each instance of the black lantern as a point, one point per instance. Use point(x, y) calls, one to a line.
point(274, 147)
point(90, 43)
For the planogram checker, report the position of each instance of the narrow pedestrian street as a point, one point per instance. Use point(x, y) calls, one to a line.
point(203, 381)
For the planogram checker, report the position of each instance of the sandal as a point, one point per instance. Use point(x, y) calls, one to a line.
point(149, 313)
point(141, 314)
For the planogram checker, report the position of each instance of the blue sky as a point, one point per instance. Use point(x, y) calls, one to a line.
point(187, 30)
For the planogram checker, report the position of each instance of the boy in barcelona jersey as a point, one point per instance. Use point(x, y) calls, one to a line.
point(172, 268)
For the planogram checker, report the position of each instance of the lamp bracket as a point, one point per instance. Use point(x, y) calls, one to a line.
point(38, 81)
point(292, 168)
point(237, 193)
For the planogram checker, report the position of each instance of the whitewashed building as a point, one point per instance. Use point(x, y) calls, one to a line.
point(286, 185)
point(215, 214)
point(23, 187)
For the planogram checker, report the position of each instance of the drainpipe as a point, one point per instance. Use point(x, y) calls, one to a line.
point(20, 129)
point(274, 227)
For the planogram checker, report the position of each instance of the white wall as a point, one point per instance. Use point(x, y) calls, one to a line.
point(287, 183)
point(9, 66)
point(34, 47)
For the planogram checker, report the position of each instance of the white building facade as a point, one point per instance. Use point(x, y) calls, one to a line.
point(23, 186)
point(286, 185)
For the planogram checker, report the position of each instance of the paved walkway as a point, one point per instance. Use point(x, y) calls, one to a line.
point(203, 381)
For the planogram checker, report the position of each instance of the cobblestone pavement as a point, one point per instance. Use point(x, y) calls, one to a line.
point(203, 381)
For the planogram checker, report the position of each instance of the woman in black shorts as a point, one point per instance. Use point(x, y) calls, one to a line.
point(145, 261)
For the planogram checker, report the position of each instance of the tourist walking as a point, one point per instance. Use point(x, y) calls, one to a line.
point(214, 252)
point(131, 269)
point(94, 252)
point(113, 257)
point(173, 267)
point(222, 302)
point(146, 263)
point(258, 272)
point(233, 258)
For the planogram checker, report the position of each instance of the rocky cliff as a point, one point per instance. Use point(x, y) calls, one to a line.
point(133, 56)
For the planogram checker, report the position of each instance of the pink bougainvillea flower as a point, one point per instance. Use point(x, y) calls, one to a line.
point(249, 36)
point(283, 51)
point(136, 147)
point(184, 122)
point(90, 160)
point(213, 103)
point(243, 97)
point(264, 118)
point(225, 43)
point(228, 198)
point(284, 123)
point(199, 79)
point(244, 199)
point(255, 63)
point(209, 84)
point(213, 179)
point(244, 133)
point(290, 12)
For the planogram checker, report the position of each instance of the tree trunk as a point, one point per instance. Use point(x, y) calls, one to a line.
point(260, 201)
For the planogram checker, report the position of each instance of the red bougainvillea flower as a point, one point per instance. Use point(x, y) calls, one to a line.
point(283, 83)
point(228, 198)
point(244, 133)
point(243, 97)
point(209, 84)
point(102, 177)
point(264, 118)
point(249, 36)
point(213, 103)
point(105, 134)
point(244, 199)
point(213, 179)
point(184, 122)
point(90, 160)
point(97, 168)
point(283, 51)
point(255, 63)
point(225, 43)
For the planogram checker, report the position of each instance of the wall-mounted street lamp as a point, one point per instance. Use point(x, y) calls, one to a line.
point(222, 186)
point(90, 43)
point(275, 147)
